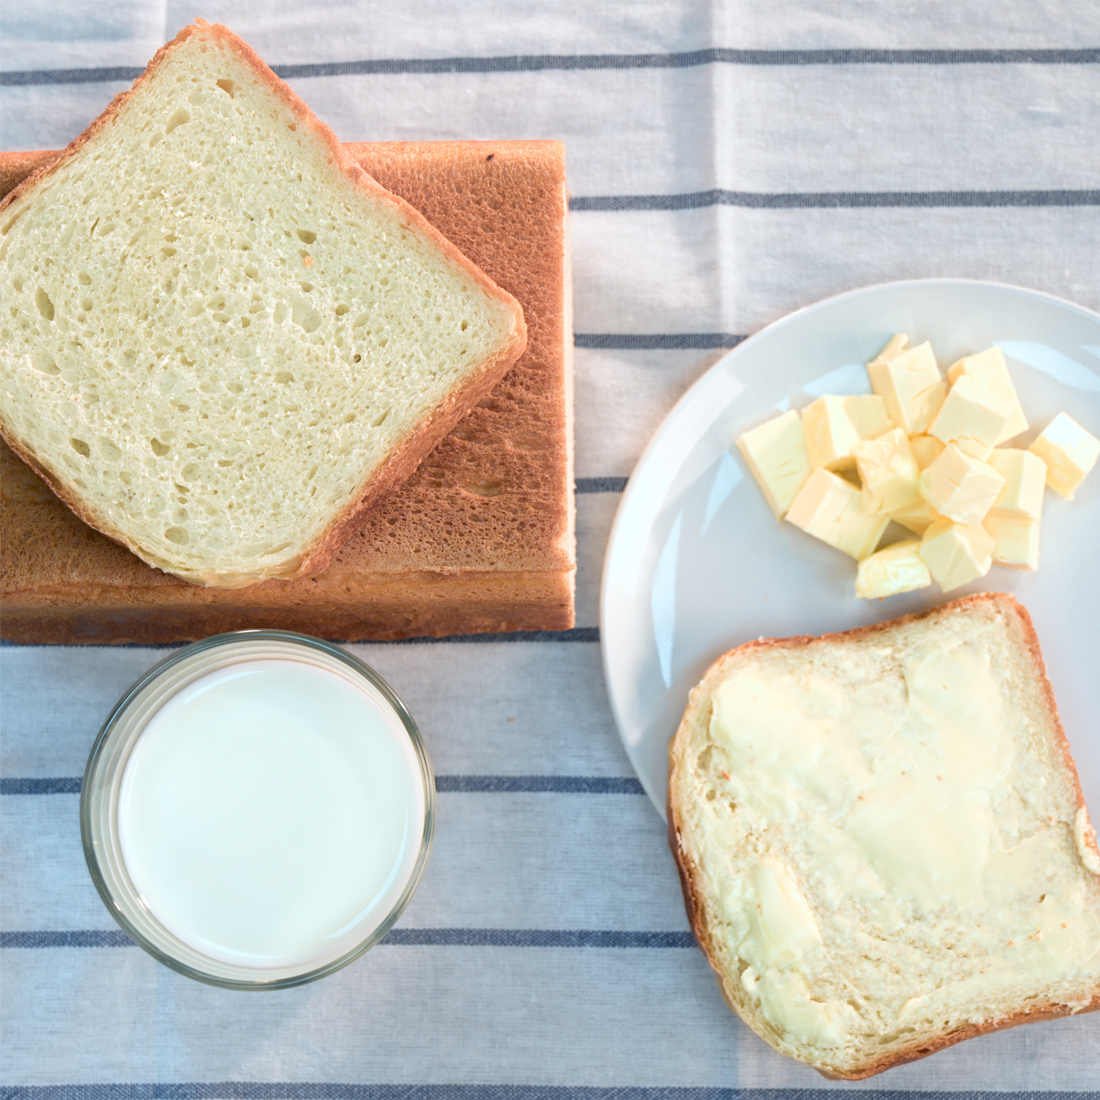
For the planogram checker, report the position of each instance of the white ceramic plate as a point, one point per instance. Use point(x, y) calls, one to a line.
point(697, 564)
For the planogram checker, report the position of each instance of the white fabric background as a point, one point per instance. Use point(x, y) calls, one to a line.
point(658, 294)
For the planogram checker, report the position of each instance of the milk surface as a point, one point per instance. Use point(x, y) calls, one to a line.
point(271, 813)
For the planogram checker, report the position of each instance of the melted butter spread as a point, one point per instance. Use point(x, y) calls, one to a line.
point(899, 795)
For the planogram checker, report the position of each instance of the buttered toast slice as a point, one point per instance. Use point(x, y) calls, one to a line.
point(882, 839)
point(223, 342)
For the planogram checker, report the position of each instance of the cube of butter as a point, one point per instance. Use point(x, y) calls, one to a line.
point(926, 449)
point(991, 368)
point(973, 448)
point(915, 517)
point(1069, 451)
point(1015, 539)
point(775, 453)
point(888, 470)
point(960, 487)
point(971, 411)
point(911, 385)
point(956, 553)
point(834, 424)
point(831, 509)
point(897, 568)
point(893, 347)
point(1025, 475)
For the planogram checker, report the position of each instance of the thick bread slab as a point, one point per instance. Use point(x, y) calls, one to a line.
point(479, 539)
point(882, 840)
point(226, 341)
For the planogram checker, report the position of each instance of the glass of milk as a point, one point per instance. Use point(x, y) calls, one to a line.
point(258, 809)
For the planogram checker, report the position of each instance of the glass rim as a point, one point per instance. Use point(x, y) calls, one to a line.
point(104, 738)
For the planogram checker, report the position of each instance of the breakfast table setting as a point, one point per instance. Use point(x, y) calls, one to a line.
point(757, 197)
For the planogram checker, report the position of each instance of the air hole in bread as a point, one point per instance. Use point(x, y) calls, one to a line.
point(228, 86)
point(109, 450)
point(12, 220)
point(178, 118)
point(159, 449)
point(178, 535)
point(80, 447)
point(485, 488)
point(306, 236)
point(42, 361)
point(305, 316)
point(45, 306)
point(283, 377)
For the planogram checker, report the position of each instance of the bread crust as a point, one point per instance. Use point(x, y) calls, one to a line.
point(699, 710)
point(403, 460)
point(480, 538)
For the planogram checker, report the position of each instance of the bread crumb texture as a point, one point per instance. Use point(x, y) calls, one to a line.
point(211, 333)
point(882, 838)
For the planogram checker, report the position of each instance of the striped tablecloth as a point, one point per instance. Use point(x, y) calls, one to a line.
point(728, 163)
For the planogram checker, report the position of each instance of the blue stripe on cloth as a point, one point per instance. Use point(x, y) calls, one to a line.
point(642, 341)
point(526, 63)
point(81, 937)
point(338, 1090)
point(537, 784)
point(445, 784)
point(536, 937)
point(577, 634)
point(64, 784)
point(832, 200)
point(605, 938)
point(600, 484)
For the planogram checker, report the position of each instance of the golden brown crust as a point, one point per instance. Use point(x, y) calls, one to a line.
point(698, 711)
point(485, 522)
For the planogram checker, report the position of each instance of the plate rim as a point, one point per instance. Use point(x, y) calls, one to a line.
point(659, 432)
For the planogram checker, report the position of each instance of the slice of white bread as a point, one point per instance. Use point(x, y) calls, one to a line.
point(480, 538)
point(882, 839)
point(222, 342)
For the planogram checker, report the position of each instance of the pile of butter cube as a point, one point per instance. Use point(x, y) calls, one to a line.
point(927, 454)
